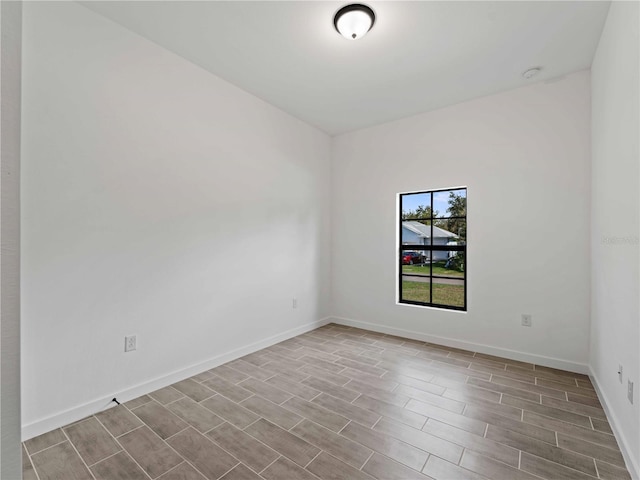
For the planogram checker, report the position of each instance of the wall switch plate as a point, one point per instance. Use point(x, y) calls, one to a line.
point(294, 303)
point(620, 373)
point(526, 320)
point(130, 343)
point(630, 391)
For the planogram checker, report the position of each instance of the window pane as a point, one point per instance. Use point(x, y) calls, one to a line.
point(420, 269)
point(416, 205)
point(416, 232)
point(450, 203)
point(450, 231)
point(448, 295)
point(451, 267)
point(448, 280)
point(416, 279)
point(415, 291)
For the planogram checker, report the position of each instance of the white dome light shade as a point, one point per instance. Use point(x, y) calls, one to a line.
point(354, 21)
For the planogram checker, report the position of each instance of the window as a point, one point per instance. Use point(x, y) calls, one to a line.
point(432, 255)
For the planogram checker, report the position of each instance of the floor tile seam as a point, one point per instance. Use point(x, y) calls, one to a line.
point(131, 409)
point(386, 455)
point(562, 420)
point(548, 459)
point(419, 430)
point(183, 462)
point(42, 450)
point(349, 403)
point(302, 419)
point(575, 436)
point(78, 422)
point(132, 430)
point(464, 450)
point(497, 366)
point(278, 458)
point(122, 449)
point(226, 379)
point(166, 405)
point(188, 426)
point(562, 465)
point(251, 468)
point(153, 432)
point(318, 406)
point(578, 413)
point(78, 453)
point(315, 456)
point(464, 447)
point(252, 437)
point(595, 445)
point(493, 459)
point(171, 413)
point(425, 463)
point(595, 464)
point(206, 434)
point(193, 377)
point(214, 443)
point(254, 394)
point(109, 431)
point(117, 453)
point(283, 429)
point(512, 395)
point(239, 463)
point(33, 467)
point(316, 396)
point(105, 429)
point(373, 452)
point(150, 394)
point(527, 383)
point(339, 432)
point(335, 433)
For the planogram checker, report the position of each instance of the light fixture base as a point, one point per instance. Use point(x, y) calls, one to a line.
point(354, 21)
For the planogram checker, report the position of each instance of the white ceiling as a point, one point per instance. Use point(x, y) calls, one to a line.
point(419, 56)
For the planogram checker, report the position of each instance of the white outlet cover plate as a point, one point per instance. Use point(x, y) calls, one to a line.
point(130, 343)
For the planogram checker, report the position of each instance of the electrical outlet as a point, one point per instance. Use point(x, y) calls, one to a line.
point(526, 320)
point(294, 303)
point(630, 391)
point(620, 373)
point(130, 343)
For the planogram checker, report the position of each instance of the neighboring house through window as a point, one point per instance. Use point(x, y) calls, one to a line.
point(432, 254)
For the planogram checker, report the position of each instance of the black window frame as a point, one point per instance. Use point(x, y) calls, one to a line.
point(430, 248)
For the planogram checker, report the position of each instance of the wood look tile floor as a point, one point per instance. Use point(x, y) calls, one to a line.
point(344, 403)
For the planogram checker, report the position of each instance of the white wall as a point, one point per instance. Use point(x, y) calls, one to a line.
point(10, 61)
point(524, 156)
point(158, 200)
point(615, 234)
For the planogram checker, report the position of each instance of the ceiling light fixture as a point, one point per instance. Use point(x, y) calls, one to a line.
point(532, 72)
point(354, 21)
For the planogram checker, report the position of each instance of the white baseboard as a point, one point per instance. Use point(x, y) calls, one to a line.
point(614, 421)
point(81, 411)
point(475, 347)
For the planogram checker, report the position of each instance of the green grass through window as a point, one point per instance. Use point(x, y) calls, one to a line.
point(452, 295)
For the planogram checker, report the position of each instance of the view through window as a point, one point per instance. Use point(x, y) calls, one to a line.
point(433, 248)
